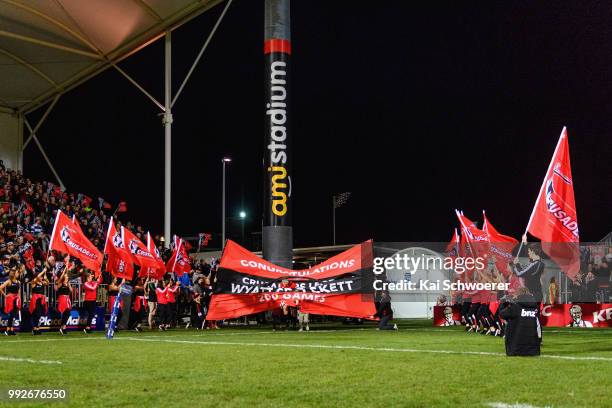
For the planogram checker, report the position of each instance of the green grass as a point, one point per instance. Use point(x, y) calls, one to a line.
point(351, 366)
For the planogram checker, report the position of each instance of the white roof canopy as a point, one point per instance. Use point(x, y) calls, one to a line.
point(50, 46)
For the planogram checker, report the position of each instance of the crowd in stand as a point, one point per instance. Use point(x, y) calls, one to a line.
point(27, 211)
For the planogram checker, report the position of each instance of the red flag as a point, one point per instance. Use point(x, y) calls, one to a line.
point(159, 271)
point(478, 239)
point(119, 262)
point(452, 249)
point(68, 238)
point(501, 246)
point(179, 262)
point(76, 224)
point(554, 219)
point(203, 239)
point(122, 207)
point(57, 191)
point(85, 200)
point(28, 209)
point(140, 254)
point(28, 256)
point(103, 204)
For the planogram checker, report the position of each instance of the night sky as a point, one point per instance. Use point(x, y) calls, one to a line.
point(417, 108)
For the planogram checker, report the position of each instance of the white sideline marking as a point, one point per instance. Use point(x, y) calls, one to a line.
point(516, 405)
point(28, 360)
point(54, 339)
point(364, 348)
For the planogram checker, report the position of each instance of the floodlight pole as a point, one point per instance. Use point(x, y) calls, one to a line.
point(167, 121)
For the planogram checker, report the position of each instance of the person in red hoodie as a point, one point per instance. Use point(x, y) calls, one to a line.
point(162, 304)
point(91, 294)
point(171, 291)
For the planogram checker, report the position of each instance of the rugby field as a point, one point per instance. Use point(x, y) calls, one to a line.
point(332, 365)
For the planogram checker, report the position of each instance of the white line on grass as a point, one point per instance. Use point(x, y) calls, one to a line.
point(28, 360)
point(58, 338)
point(348, 347)
point(516, 405)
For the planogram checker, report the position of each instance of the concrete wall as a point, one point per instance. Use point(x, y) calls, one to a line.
point(11, 140)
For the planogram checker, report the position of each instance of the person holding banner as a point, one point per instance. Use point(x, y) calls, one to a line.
point(113, 292)
point(171, 290)
point(38, 301)
point(91, 294)
point(162, 304)
point(64, 305)
point(532, 273)
point(11, 289)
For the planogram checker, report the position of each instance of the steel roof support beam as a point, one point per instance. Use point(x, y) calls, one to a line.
point(26, 64)
point(49, 44)
point(52, 20)
point(40, 122)
point(140, 88)
point(197, 60)
point(42, 150)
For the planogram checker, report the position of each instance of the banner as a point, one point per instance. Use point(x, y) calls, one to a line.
point(69, 239)
point(583, 315)
point(477, 239)
point(160, 270)
point(340, 286)
point(140, 254)
point(53, 320)
point(553, 219)
point(119, 261)
point(179, 263)
point(501, 246)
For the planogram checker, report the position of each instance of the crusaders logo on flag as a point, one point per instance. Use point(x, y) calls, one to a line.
point(65, 235)
point(118, 241)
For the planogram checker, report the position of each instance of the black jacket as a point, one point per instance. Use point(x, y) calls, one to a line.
point(523, 331)
point(531, 275)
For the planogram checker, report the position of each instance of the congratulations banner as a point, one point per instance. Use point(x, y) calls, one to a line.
point(340, 286)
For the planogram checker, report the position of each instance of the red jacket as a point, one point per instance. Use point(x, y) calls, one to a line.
point(91, 289)
point(171, 293)
point(162, 295)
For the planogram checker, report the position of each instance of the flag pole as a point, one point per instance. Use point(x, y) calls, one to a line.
point(563, 132)
point(53, 232)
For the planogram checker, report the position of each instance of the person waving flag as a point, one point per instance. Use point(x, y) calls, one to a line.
point(554, 219)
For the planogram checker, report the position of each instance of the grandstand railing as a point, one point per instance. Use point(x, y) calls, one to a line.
point(77, 295)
